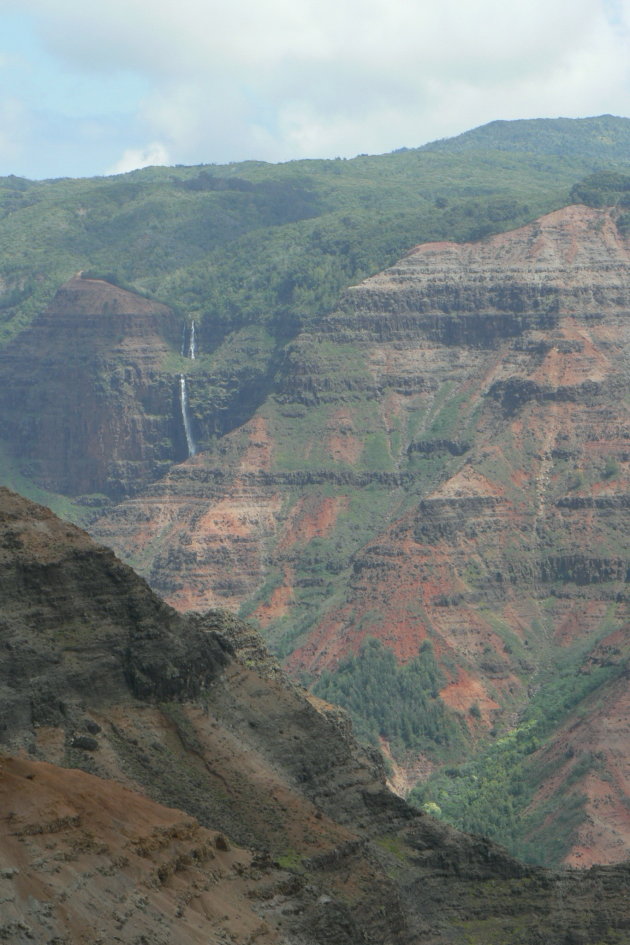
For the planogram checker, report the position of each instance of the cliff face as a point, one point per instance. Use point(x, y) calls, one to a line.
point(483, 378)
point(100, 675)
point(444, 458)
point(91, 397)
point(279, 827)
point(474, 392)
point(86, 402)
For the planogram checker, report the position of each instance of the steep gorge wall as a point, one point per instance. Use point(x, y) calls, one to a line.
point(85, 401)
point(445, 458)
point(90, 393)
point(476, 391)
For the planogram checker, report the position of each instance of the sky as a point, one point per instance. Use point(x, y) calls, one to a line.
point(105, 87)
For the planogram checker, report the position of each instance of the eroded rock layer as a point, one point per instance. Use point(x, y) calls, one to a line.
point(85, 399)
point(279, 828)
point(444, 458)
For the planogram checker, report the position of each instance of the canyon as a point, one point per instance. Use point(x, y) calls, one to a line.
point(429, 462)
point(444, 459)
point(162, 780)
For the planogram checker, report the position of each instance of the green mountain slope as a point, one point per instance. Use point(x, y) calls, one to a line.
point(580, 138)
point(268, 248)
point(233, 243)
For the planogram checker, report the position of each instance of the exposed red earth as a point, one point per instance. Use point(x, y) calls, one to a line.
point(445, 457)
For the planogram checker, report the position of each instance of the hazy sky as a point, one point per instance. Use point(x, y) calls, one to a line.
point(103, 87)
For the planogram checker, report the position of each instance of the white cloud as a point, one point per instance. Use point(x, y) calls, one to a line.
point(132, 158)
point(276, 79)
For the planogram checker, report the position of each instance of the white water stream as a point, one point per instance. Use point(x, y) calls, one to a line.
point(183, 392)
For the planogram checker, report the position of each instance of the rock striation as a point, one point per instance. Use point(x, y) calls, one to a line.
point(445, 457)
point(279, 827)
point(87, 402)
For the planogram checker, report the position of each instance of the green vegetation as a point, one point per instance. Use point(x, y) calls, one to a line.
point(567, 137)
point(611, 468)
point(253, 242)
point(492, 794)
point(604, 189)
point(291, 861)
point(398, 703)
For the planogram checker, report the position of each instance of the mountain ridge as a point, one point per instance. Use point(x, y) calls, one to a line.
point(553, 135)
point(330, 854)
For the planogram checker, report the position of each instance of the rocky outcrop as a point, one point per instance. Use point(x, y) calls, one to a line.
point(86, 400)
point(99, 674)
point(573, 261)
point(278, 828)
point(120, 636)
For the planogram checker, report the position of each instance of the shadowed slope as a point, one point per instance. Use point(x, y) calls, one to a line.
point(100, 675)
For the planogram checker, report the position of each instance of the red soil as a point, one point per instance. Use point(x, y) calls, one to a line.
point(312, 517)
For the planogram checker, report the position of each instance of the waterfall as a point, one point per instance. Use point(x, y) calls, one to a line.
point(183, 402)
point(183, 392)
